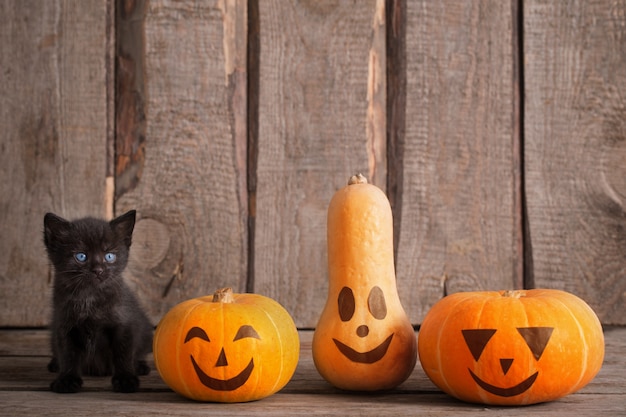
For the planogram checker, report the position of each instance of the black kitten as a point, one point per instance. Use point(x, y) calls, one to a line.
point(98, 327)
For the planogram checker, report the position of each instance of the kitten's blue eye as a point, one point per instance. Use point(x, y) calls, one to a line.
point(80, 257)
point(110, 257)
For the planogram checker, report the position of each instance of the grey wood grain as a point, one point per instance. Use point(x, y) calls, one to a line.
point(320, 75)
point(460, 214)
point(56, 99)
point(575, 150)
point(191, 197)
point(24, 391)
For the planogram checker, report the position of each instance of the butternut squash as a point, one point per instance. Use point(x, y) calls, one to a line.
point(364, 340)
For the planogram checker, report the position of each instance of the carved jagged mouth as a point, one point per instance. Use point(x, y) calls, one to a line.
point(506, 392)
point(371, 356)
point(223, 384)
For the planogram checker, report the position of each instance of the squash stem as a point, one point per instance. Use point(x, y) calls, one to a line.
point(357, 179)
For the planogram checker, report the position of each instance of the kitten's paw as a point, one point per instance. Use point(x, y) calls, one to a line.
point(143, 368)
point(66, 384)
point(125, 383)
point(53, 365)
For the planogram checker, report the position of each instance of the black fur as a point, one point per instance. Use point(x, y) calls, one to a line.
point(98, 327)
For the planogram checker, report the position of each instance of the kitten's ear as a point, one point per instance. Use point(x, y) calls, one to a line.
point(123, 225)
point(53, 226)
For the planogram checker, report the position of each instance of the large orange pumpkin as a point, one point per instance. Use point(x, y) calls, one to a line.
point(511, 347)
point(226, 348)
point(364, 340)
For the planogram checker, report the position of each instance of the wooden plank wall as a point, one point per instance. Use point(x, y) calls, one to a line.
point(55, 78)
point(575, 147)
point(459, 219)
point(320, 118)
point(496, 129)
point(187, 79)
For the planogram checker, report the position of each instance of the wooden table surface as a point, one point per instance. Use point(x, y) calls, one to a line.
point(24, 383)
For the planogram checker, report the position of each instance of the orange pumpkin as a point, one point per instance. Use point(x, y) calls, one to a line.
point(364, 340)
point(511, 347)
point(226, 348)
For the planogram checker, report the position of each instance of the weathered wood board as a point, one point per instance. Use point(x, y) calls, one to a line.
point(54, 116)
point(24, 391)
point(575, 149)
point(495, 127)
point(320, 120)
point(188, 180)
point(460, 212)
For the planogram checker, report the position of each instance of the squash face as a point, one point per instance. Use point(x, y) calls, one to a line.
point(226, 351)
point(367, 350)
point(511, 347)
point(376, 306)
point(363, 340)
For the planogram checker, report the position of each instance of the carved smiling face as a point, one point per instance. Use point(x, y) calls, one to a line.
point(511, 347)
point(364, 340)
point(536, 338)
point(377, 308)
point(198, 335)
point(241, 347)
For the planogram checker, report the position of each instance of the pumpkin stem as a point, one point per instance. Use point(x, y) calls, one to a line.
point(513, 293)
point(224, 295)
point(357, 179)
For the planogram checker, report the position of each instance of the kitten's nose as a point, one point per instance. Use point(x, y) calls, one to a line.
point(98, 270)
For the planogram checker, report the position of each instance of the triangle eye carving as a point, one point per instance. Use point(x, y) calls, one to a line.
point(476, 340)
point(536, 338)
